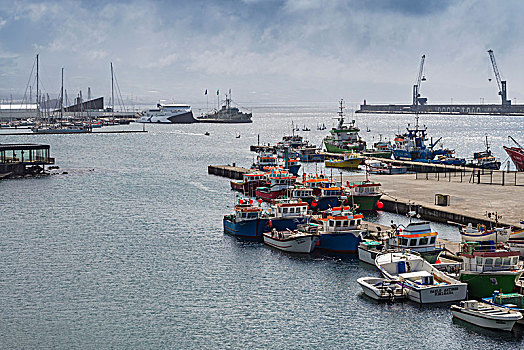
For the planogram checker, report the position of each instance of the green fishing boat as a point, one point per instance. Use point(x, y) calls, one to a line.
point(344, 138)
point(487, 268)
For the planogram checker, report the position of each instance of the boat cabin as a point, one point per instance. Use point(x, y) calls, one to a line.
point(288, 210)
point(254, 177)
point(417, 236)
point(247, 212)
point(363, 188)
point(302, 193)
point(341, 223)
point(266, 160)
point(331, 192)
point(480, 258)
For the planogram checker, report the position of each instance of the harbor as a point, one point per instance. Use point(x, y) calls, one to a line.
point(261, 175)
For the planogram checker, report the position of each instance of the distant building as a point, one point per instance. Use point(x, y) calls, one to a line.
point(16, 111)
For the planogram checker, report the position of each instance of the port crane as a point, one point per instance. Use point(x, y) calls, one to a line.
point(416, 88)
point(501, 83)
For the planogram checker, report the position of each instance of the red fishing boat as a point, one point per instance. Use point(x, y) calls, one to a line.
point(516, 154)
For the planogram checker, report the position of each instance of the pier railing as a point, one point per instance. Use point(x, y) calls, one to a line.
point(475, 176)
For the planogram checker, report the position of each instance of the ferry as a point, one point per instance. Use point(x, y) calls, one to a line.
point(168, 114)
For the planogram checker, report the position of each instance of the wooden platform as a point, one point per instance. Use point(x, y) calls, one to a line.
point(232, 172)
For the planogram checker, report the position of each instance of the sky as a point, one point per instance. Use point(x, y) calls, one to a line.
point(266, 51)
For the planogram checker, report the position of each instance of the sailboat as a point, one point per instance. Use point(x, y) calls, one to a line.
point(57, 127)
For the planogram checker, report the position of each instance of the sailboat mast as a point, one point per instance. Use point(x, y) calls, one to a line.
point(62, 96)
point(37, 91)
point(112, 91)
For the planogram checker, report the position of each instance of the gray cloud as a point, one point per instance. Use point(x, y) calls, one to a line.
point(286, 51)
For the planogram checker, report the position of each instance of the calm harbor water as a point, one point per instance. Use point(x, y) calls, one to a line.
point(127, 249)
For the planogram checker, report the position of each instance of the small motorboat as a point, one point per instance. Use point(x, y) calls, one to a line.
point(382, 288)
point(297, 241)
point(485, 315)
point(206, 133)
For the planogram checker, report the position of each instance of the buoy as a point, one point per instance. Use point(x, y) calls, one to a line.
point(250, 201)
point(438, 261)
point(314, 203)
point(380, 205)
point(241, 201)
point(260, 201)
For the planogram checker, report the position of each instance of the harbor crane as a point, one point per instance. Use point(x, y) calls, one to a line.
point(416, 88)
point(501, 83)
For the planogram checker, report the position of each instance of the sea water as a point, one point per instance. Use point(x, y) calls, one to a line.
point(127, 250)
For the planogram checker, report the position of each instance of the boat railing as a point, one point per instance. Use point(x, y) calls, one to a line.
point(489, 268)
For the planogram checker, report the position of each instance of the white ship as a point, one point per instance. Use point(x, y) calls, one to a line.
point(168, 114)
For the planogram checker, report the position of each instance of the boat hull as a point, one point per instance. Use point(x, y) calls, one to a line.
point(388, 292)
point(268, 197)
point(480, 321)
point(365, 203)
point(343, 242)
point(483, 284)
point(249, 229)
point(182, 118)
point(335, 149)
point(367, 255)
point(283, 224)
point(345, 164)
point(517, 156)
point(301, 244)
point(436, 294)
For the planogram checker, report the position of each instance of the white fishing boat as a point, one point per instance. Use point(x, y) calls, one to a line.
point(481, 233)
point(423, 282)
point(517, 246)
point(297, 241)
point(486, 315)
point(381, 288)
point(368, 250)
point(518, 233)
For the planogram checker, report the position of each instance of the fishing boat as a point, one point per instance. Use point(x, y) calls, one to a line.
point(485, 315)
point(249, 182)
point(305, 194)
point(512, 301)
point(368, 250)
point(329, 197)
point(287, 214)
point(411, 145)
point(340, 230)
point(293, 241)
point(418, 237)
point(518, 233)
point(516, 246)
point(279, 181)
point(344, 138)
point(310, 154)
point(349, 160)
point(316, 182)
point(484, 159)
point(265, 161)
point(380, 149)
point(363, 194)
point(380, 168)
point(481, 233)
point(382, 289)
point(487, 267)
point(246, 222)
point(516, 154)
point(423, 282)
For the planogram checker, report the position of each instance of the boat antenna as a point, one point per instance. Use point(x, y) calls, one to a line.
point(37, 90)
point(112, 93)
point(62, 96)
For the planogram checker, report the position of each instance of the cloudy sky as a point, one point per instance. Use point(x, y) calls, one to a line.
point(266, 51)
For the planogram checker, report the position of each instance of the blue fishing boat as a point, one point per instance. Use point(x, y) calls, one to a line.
point(340, 231)
point(411, 146)
point(246, 222)
point(329, 197)
point(287, 214)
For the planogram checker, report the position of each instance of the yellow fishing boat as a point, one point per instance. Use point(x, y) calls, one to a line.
point(350, 160)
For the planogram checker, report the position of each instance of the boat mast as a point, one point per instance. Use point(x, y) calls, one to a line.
point(62, 96)
point(112, 92)
point(37, 91)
